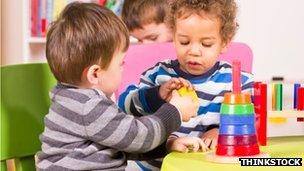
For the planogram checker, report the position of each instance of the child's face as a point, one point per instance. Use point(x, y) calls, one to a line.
point(198, 42)
point(153, 32)
point(110, 78)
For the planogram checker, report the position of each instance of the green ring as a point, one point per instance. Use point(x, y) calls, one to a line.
point(237, 109)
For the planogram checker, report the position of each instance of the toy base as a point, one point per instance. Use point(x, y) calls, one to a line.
point(212, 157)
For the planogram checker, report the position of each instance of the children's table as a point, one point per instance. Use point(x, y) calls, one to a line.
point(277, 147)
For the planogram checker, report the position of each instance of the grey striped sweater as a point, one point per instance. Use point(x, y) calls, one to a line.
point(84, 130)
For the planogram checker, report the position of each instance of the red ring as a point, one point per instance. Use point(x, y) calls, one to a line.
point(242, 150)
point(237, 140)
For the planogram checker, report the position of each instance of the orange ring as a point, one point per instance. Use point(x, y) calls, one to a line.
point(240, 98)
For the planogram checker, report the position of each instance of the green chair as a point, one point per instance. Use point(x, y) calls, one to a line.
point(24, 102)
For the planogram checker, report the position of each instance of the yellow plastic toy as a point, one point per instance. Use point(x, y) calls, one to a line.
point(186, 92)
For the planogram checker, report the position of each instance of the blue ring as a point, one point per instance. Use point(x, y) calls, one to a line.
point(237, 129)
point(237, 119)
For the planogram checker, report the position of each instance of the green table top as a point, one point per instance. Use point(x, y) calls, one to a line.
point(277, 147)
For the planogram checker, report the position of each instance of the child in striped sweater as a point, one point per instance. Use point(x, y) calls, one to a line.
point(202, 30)
point(85, 129)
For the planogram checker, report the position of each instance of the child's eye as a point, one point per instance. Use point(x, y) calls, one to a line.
point(153, 38)
point(207, 45)
point(184, 43)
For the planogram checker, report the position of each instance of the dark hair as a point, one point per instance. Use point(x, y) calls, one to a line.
point(136, 13)
point(225, 10)
point(84, 34)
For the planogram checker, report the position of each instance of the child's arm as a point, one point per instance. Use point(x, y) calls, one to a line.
point(107, 125)
point(145, 99)
point(154, 97)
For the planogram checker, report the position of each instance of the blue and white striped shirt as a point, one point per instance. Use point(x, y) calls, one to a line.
point(211, 86)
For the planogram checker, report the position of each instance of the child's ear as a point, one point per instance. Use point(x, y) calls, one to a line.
point(92, 74)
point(225, 46)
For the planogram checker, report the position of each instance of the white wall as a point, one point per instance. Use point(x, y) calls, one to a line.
point(12, 31)
point(274, 29)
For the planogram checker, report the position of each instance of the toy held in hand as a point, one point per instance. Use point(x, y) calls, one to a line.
point(184, 91)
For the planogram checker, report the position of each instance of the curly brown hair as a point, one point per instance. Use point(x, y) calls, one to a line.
point(225, 10)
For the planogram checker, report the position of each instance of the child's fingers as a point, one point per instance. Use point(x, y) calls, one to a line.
point(199, 145)
point(213, 144)
point(181, 148)
point(203, 146)
point(175, 86)
point(185, 83)
point(188, 84)
point(175, 83)
point(195, 146)
point(207, 141)
point(175, 80)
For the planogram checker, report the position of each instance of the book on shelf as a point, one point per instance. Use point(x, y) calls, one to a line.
point(43, 12)
point(34, 18)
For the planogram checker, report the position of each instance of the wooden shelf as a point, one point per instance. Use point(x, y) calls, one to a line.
point(285, 113)
point(37, 40)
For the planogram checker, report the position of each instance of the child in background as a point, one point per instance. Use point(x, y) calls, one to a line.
point(84, 129)
point(145, 20)
point(202, 30)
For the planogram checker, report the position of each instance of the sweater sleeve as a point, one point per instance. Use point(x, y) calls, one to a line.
point(107, 125)
point(143, 99)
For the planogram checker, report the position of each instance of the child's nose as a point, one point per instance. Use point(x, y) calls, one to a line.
point(195, 50)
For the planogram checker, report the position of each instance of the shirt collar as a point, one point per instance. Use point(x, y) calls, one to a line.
point(181, 73)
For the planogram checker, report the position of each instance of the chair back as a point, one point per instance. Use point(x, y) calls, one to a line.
point(141, 57)
point(24, 103)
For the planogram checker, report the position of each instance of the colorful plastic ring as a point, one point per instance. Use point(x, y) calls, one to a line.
point(237, 129)
point(237, 140)
point(238, 109)
point(242, 150)
point(237, 119)
point(233, 98)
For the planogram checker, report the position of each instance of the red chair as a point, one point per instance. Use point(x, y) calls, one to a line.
point(141, 57)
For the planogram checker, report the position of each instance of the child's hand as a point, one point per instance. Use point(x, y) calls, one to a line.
point(186, 144)
point(210, 138)
point(186, 106)
point(165, 90)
